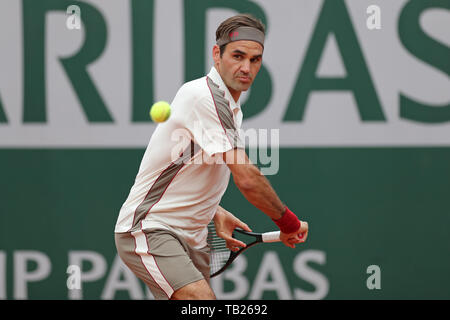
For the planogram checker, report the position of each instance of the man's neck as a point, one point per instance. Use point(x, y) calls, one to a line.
point(235, 94)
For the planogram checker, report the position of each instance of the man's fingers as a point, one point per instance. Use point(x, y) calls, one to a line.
point(236, 243)
point(243, 225)
point(296, 238)
point(290, 245)
point(290, 240)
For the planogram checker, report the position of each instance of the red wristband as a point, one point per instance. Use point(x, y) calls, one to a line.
point(288, 223)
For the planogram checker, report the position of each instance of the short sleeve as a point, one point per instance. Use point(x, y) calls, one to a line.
point(211, 124)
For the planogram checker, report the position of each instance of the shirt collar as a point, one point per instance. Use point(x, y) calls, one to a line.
point(215, 76)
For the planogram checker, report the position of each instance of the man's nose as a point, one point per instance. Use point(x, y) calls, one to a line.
point(245, 67)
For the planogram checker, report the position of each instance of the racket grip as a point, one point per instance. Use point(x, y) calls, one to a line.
point(273, 236)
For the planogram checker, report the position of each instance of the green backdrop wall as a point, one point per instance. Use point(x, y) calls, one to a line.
point(367, 206)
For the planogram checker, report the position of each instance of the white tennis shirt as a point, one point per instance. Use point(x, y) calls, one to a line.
point(182, 176)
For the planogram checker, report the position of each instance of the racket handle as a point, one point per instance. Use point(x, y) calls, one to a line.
point(273, 236)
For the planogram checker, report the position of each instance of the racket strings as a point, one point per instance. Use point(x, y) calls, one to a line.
point(219, 253)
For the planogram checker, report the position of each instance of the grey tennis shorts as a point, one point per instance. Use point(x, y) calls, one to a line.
point(163, 260)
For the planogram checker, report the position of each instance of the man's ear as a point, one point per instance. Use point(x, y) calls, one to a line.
point(216, 54)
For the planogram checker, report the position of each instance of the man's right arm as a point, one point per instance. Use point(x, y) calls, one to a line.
point(253, 185)
point(257, 190)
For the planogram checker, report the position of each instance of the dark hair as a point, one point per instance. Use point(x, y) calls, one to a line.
point(232, 23)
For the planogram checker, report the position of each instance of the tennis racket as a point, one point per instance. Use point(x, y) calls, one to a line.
point(221, 257)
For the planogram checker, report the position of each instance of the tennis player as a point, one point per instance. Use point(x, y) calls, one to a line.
point(161, 230)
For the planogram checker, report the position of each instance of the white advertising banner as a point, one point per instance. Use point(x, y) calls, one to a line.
point(335, 73)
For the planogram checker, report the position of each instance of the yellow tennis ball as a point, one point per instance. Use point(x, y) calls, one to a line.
point(160, 111)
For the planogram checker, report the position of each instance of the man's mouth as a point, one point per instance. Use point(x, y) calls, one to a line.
point(244, 79)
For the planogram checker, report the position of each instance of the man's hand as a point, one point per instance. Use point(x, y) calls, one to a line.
point(225, 223)
point(299, 236)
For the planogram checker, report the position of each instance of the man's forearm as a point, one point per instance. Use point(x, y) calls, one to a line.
point(258, 191)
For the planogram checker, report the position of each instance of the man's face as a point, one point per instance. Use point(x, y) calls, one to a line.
point(239, 64)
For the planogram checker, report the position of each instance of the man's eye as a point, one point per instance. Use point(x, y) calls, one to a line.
point(237, 56)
